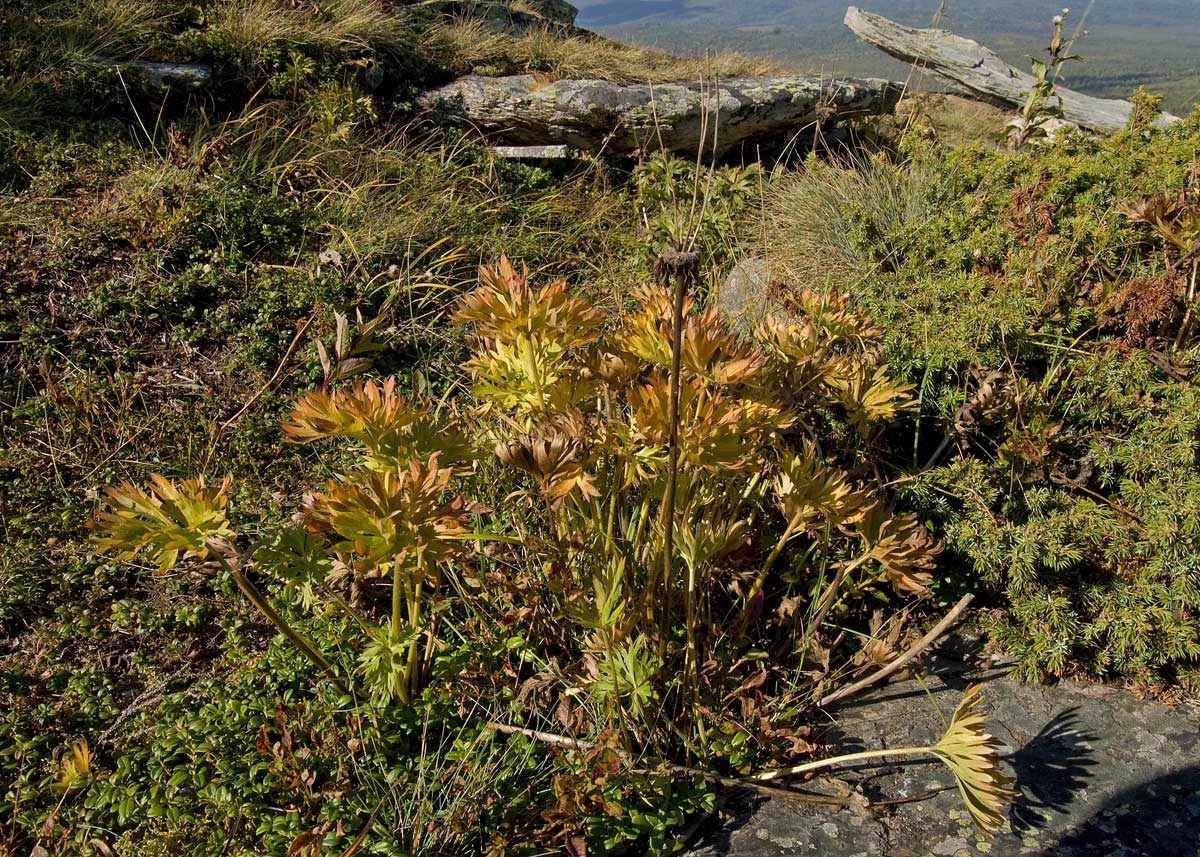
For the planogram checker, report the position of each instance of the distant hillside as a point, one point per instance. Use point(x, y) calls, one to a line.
point(1155, 42)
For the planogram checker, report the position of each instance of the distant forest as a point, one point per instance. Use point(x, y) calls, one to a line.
point(1151, 42)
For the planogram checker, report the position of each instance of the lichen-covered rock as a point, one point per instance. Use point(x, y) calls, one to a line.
point(532, 153)
point(174, 77)
point(744, 298)
point(623, 118)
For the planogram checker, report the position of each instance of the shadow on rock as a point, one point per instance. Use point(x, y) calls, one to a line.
point(1159, 817)
point(715, 832)
point(1052, 768)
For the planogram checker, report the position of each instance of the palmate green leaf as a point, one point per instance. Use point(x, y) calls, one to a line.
point(811, 494)
point(710, 539)
point(505, 306)
point(970, 753)
point(902, 546)
point(384, 659)
point(527, 375)
point(718, 431)
point(390, 429)
point(393, 516)
point(867, 394)
point(297, 558)
point(625, 675)
point(165, 520)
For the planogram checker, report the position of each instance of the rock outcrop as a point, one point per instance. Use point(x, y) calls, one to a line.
point(553, 10)
point(981, 71)
point(598, 115)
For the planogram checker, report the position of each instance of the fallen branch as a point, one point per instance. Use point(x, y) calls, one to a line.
point(982, 72)
point(895, 666)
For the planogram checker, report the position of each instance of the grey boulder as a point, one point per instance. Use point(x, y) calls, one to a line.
point(745, 299)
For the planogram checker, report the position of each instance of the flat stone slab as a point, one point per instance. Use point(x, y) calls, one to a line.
point(1102, 772)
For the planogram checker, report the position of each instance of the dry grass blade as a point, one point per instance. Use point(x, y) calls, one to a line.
point(467, 45)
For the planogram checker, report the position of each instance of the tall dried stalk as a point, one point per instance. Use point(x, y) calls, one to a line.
point(679, 269)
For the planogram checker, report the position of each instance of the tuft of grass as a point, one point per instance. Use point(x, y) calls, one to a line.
point(104, 29)
point(466, 45)
point(248, 28)
point(830, 224)
point(954, 120)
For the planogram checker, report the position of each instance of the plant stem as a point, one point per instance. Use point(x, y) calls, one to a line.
point(397, 596)
point(412, 675)
point(850, 758)
point(829, 596)
point(234, 562)
point(668, 512)
point(611, 523)
point(679, 267)
point(731, 782)
point(765, 569)
point(1190, 302)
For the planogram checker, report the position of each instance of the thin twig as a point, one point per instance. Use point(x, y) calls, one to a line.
point(731, 782)
point(829, 598)
point(148, 697)
point(895, 666)
point(278, 370)
point(544, 737)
